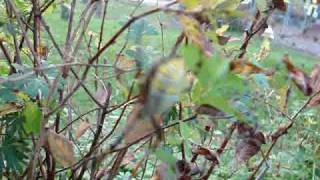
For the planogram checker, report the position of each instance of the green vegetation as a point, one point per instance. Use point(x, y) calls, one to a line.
point(166, 94)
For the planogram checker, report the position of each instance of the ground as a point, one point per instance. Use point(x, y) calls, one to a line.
point(307, 41)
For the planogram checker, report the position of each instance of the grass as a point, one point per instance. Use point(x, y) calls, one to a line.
point(117, 13)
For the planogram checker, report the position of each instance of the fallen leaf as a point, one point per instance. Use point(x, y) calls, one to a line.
point(300, 78)
point(61, 149)
point(83, 127)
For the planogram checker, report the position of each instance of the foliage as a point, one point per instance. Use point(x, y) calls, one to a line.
point(165, 92)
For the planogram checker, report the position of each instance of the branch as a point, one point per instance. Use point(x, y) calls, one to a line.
point(100, 51)
point(282, 130)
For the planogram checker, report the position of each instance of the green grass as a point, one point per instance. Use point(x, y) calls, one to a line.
point(118, 12)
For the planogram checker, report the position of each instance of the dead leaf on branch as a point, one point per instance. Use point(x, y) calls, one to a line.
point(306, 84)
point(248, 143)
point(300, 78)
point(83, 127)
point(61, 149)
point(192, 30)
point(139, 125)
point(315, 84)
point(280, 4)
point(209, 110)
point(244, 67)
point(207, 153)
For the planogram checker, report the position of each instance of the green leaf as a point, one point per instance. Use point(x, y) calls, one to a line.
point(32, 116)
point(165, 155)
point(4, 68)
point(190, 133)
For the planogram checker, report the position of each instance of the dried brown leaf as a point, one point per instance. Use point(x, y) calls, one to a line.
point(249, 142)
point(315, 84)
point(61, 149)
point(207, 153)
point(244, 67)
point(209, 110)
point(83, 127)
point(138, 125)
point(279, 4)
point(300, 78)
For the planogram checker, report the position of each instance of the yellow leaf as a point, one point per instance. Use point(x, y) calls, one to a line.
point(283, 98)
point(222, 30)
point(61, 149)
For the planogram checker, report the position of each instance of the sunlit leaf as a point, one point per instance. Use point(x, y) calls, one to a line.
point(244, 67)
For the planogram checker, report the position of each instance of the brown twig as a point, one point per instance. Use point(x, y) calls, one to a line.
point(220, 150)
point(280, 132)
